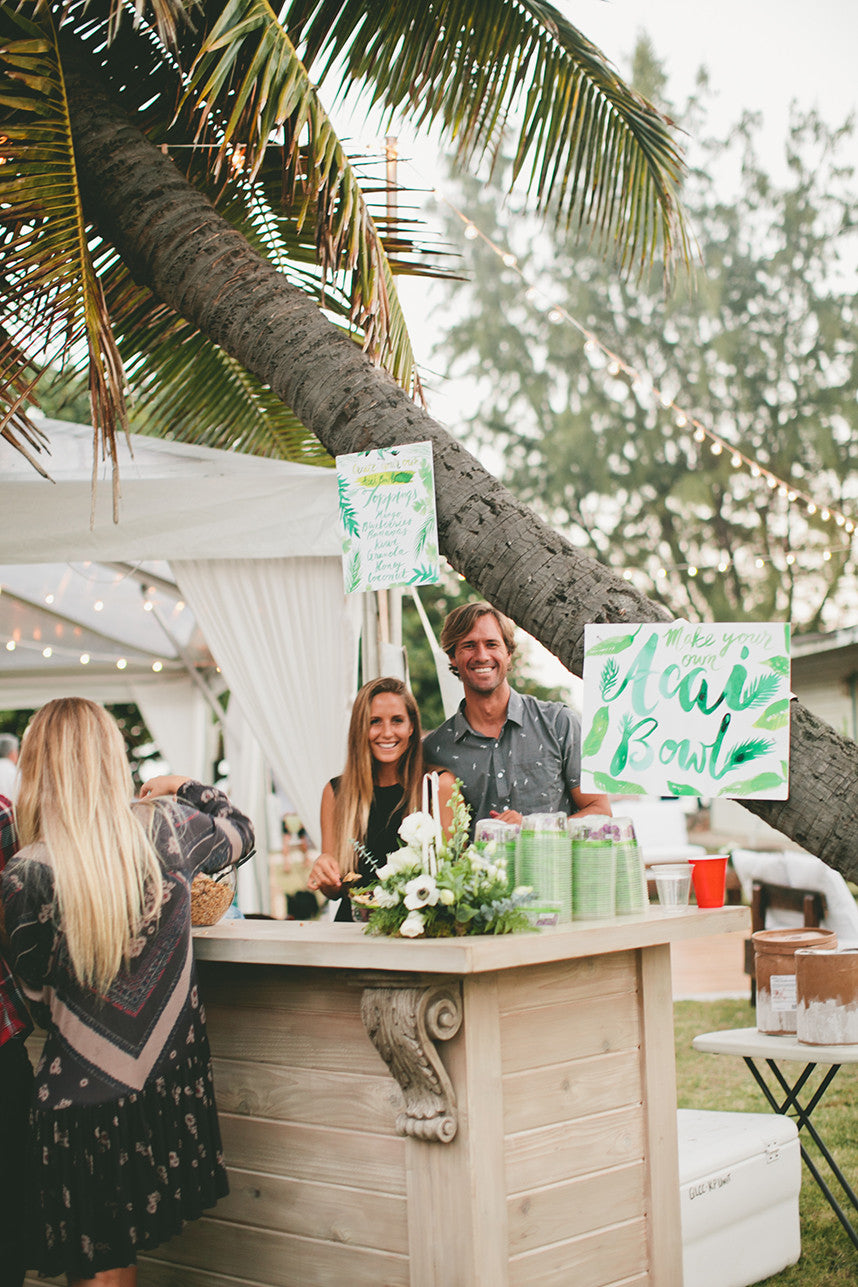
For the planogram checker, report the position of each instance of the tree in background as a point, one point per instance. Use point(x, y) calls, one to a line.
point(139, 747)
point(762, 348)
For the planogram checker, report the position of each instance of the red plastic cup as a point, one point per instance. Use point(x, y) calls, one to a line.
point(709, 878)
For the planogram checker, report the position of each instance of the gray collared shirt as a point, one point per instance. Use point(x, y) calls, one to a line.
point(532, 766)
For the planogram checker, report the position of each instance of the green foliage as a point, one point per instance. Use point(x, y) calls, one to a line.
point(139, 746)
point(467, 892)
point(762, 351)
point(231, 92)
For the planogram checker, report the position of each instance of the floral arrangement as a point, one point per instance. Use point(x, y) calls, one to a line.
point(438, 887)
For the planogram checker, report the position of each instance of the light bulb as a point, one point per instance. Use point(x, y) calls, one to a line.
point(84, 658)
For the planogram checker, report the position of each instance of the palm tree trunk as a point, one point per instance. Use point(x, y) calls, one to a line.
point(174, 241)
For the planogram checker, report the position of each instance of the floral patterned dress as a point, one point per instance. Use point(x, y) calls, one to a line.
point(126, 1143)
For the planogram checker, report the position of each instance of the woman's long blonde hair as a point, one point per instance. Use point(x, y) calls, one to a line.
point(75, 797)
point(354, 795)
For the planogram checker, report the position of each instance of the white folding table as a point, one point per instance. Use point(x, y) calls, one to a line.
point(757, 1048)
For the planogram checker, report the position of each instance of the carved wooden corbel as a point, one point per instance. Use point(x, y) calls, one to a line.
point(403, 1023)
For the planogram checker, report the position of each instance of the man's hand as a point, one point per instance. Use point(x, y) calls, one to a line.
point(508, 815)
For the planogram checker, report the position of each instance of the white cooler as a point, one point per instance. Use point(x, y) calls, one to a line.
point(739, 1180)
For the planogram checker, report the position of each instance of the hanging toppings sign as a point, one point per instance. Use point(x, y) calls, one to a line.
point(681, 709)
point(387, 517)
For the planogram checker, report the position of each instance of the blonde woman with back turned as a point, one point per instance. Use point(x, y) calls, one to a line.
point(126, 1144)
point(382, 781)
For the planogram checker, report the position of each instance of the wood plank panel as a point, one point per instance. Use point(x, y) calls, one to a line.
point(585, 1205)
point(273, 987)
point(311, 1095)
point(273, 1259)
point(561, 1092)
point(659, 1077)
point(578, 980)
point(554, 1153)
point(334, 1213)
point(456, 1191)
point(315, 1153)
point(614, 1254)
point(293, 1039)
point(556, 1034)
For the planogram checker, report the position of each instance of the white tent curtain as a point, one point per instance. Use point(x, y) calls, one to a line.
point(177, 715)
point(285, 637)
point(248, 787)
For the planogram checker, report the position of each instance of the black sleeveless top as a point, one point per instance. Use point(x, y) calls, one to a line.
point(385, 816)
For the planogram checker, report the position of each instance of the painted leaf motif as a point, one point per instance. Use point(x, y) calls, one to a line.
point(613, 786)
point(751, 749)
point(354, 573)
point(753, 786)
point(616, 644)
point(347, 513)
point(681, 788)
point(774, 716)
point(780, 664)
point(596, 735)
point(760, 690)
point(609, 678)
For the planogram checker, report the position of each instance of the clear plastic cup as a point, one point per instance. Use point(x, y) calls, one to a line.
point(672, 882)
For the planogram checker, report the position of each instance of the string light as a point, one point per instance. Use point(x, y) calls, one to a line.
point(615, 365)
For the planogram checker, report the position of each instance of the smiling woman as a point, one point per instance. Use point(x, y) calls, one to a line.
point(363, 809)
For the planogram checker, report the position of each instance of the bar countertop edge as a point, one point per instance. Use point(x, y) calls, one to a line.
point(346, 946)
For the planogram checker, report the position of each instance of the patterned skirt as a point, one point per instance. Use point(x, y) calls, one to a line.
point(119, 1178)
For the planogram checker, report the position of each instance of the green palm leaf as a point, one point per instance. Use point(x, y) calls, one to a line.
point(589, 145)
point(50, 295)
point(255, 89)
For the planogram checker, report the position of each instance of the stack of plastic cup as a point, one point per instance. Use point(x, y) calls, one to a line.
point(544, 862)
point(631, 891)
point(503, 835)
point(594, 867)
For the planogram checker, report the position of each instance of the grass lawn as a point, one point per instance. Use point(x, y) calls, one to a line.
point(828, 1258)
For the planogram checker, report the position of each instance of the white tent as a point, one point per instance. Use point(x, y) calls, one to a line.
point(223, 571)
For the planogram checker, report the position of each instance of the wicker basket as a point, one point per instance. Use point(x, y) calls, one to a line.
point(211, 898)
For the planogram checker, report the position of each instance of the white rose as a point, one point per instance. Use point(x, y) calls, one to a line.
point(422, 891)
point(412, 926)
point(402, 860)
point(417, 827)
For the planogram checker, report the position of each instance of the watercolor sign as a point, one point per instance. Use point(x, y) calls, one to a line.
point(680, 709)
point(387, 517)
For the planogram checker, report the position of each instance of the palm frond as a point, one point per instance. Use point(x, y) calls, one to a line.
point(249, 87)
point(50, 298)
point(591, 147)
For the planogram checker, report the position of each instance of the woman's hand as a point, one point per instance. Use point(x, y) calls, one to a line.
point(166, 784)
point(325, 876)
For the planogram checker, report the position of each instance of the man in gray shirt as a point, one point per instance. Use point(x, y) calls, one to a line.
point(514, 754)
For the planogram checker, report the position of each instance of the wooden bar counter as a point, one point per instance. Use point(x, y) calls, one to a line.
point(474, 1112)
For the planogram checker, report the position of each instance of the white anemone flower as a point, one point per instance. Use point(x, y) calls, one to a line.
point(422, 891)
point(412, 926)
